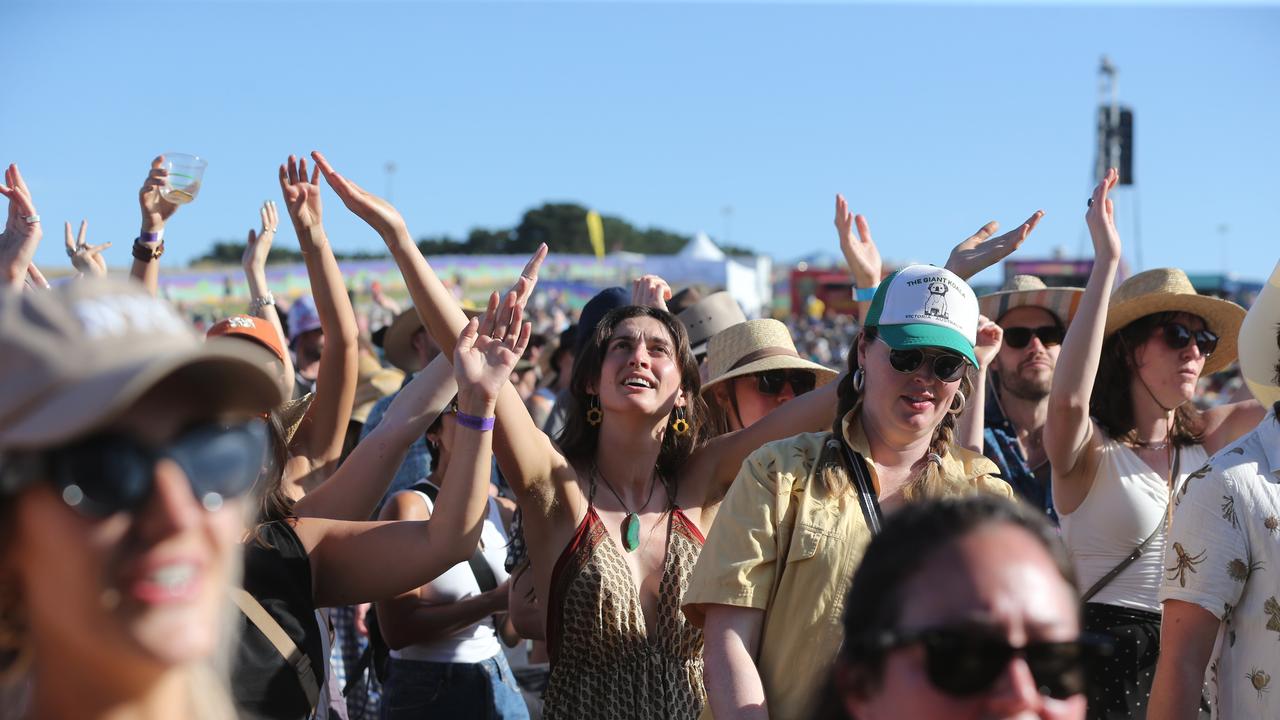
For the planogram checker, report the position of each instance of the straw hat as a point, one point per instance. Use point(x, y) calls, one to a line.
point(709, 316)
point(1258, 350)
point(375, 382)
point(1169, 290)
point(756, 346)
point(397, 341)
point(291, 413)
point(1030, 291)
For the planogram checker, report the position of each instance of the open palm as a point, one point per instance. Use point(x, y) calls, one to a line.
point(380, 214)
point(980, 251)
point(20, 238)
point(490, 346)
point(301, 195)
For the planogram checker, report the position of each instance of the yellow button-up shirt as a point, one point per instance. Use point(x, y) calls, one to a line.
point(778, 513)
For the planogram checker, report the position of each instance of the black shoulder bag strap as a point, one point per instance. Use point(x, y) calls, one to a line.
point(1142, 546)
point(479, 566)
point(866, 489)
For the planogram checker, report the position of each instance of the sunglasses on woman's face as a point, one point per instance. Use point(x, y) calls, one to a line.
point(963, 662)
point(947, 367)
point(106, 474)
point(771, 382)
point(1020, 337)
point(1177, 336)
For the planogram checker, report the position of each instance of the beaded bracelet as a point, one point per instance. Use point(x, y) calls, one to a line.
point(474, 422)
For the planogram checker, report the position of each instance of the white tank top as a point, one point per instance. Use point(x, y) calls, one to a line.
point(477, 642)
point(1125, 503)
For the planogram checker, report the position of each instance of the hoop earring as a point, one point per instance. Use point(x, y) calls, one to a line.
point(680, 426)
point(954, 409)
point(595, 415)
point(859, 377)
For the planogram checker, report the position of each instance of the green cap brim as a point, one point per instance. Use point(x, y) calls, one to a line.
point(922, 335)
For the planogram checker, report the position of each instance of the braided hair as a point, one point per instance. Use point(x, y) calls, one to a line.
point(927, 478)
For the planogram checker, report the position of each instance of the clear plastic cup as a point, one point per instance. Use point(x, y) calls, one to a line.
point(185, 175)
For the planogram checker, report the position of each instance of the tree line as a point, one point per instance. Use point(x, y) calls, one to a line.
point(562, 226)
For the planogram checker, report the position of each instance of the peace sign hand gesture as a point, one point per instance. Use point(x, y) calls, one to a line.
point(488, 349)
point(85, 257)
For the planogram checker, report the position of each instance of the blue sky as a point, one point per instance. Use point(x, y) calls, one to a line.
point(932, 119)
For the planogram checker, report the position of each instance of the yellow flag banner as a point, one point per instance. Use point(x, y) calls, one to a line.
point(595, 228)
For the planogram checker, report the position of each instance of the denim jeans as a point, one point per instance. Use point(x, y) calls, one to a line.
point(416, 690)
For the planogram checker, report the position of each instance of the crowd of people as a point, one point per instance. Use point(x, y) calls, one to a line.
point(1013, 505)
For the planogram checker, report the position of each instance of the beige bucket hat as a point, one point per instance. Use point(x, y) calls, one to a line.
point(709, 316)
point(1169, 290)
point(1030, 291)
point(398, 342)
point(374, 383)
point(756, 346)
point(1258, 350)
point(73, 358)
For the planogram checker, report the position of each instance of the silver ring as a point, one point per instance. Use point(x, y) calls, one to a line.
point(1090, 204)
point(32, 219)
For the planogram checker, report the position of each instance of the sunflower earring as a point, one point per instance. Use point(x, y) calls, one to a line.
point(680, 425)
point(595, 415)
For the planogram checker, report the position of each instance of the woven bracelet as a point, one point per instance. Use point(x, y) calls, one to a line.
point(474, 422)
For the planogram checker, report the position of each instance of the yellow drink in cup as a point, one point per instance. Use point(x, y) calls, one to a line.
point(185, 175)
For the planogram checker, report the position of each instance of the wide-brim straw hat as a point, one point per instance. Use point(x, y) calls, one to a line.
point(1169, 290)
point(1258, 349)
point(1030, 291)
point(397, 342)
point(291, 414)
point(374, 383)
point(756, 346)
point(707, 317)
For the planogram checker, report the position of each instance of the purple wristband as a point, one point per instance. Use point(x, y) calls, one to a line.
point(474, 422)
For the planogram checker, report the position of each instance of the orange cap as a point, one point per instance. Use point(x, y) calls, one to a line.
point(252, 328)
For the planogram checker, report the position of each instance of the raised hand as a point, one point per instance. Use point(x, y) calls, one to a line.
point(488, 349)
point(976, 253)
point(258, 246)
point(1101, 219)
point(379, 213)
point(301, 196)
point(990, 338)
point(859, 249)
point(650, 291)
point(85, 257)
point(523, 286)
point(22, 230)
point(155, 209)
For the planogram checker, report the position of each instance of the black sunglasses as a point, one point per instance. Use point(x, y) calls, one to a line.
point(105, 474)
point(947, 367)
point(771, 382)
point(1020, 337)
point(964, 662)
point(1177, 336)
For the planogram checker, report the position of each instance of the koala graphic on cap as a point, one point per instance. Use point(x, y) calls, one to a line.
point(936, 303)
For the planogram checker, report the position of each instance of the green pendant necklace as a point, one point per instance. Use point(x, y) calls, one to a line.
point(630, 523)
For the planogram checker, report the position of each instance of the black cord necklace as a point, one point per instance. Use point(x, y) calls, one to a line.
point(630, 528)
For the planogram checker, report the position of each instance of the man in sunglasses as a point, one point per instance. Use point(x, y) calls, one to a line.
point(1034, 319)
point(754, 368)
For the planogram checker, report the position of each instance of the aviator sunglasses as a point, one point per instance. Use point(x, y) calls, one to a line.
point(1020, 337)
point(109, 473)
point(947, 367)
point(1177, 336)
point(771, 382)
point(964, 662)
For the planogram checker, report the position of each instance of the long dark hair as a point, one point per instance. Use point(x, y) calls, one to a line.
point(271, 502)
point(927, 479)
point(579, 439)
point(1112, 401)
point(909, 539)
